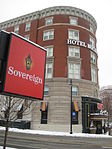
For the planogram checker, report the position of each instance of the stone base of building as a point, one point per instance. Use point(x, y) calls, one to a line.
point(57, 128)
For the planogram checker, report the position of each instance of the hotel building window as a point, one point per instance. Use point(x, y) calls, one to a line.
point(75, 110)
point(73, 71)
point(48, 35)
point(74, 90)
point(74, 117)
point(16, 29)
point(93, 75)
point(46, 90)
point(73, 21)
point(91, 29)
point(49, 51)
point(93, 58)
point(27, 27)
point(92, 42)
point(20, 113)
point(49, 21)
point(44, 117)
point(73, 34)
point(74, 51)
point(44, 112)
point(49, 70)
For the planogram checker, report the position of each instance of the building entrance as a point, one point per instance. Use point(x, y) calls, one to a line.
point(92, 117)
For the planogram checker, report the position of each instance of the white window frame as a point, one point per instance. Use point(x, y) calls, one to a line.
point(93, 58)
point(92, 41)
point(74, 51)
point(93, 75)
point(16, 29)
point(72, 34)
point(74, 70)
point(91, 28)
point(28, 25)
point(48, 35)
point(75, 91)
point(49, 70)
point(49, 51)
point(49, 21)
point(73, 20)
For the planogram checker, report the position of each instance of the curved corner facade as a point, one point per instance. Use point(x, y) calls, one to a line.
point(69, 36)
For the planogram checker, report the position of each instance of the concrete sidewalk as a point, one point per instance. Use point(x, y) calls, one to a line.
point(107, 141)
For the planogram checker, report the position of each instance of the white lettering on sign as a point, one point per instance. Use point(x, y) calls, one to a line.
point(80, 43)
point(29, 77)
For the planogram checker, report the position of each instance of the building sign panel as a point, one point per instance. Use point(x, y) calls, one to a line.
point(25, 70)
point(80, 43)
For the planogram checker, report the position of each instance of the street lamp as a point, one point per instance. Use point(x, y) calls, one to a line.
point(71, 108)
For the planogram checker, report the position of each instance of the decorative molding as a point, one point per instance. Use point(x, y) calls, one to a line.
point(63, 10)
point(19, 20)
point(65, 24)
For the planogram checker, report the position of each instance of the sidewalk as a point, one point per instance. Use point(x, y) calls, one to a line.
point(53, 133)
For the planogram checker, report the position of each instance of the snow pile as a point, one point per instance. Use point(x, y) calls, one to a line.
point(1, 147)
point(29, 131)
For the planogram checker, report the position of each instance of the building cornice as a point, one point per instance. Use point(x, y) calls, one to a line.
point(57, 10)
point(68, 10)
point(19, 20)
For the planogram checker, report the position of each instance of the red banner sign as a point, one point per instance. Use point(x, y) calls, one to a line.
point(25, 68)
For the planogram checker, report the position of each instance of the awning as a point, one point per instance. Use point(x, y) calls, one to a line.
point(98, 116)
point(76, 107)
point(43, 106)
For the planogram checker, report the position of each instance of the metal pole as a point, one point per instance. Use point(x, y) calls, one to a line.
point(71, 108)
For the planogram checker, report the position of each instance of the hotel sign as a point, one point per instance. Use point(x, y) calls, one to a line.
point(80, 43)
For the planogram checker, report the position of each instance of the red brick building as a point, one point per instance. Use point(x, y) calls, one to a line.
point(106, 96)
point(69, 36)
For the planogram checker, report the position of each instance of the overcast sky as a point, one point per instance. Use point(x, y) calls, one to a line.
point(101, 10)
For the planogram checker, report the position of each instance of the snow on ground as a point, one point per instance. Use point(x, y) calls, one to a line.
point(1, 147)
point(29, 131)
